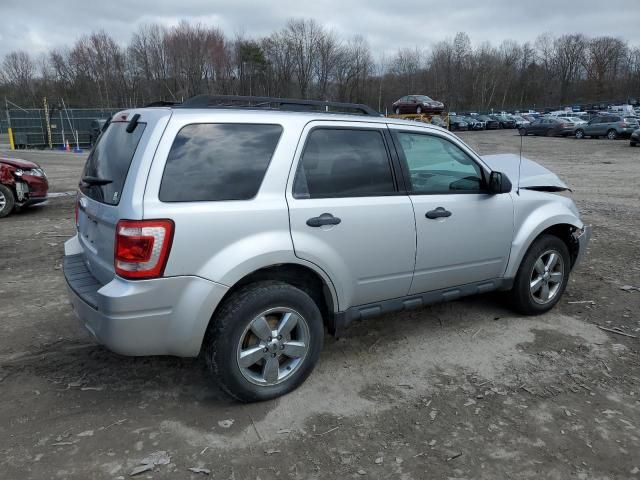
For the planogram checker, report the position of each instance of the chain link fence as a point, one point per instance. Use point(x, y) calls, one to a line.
point(77, 126)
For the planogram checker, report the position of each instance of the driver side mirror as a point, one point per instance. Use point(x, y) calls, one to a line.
point(499, 183)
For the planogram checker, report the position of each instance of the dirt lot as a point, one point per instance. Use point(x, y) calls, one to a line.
point(460, 390)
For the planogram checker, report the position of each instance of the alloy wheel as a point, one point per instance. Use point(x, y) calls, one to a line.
point(611, 134)
point(3, 201)
point(546, 277)
point(273, 346)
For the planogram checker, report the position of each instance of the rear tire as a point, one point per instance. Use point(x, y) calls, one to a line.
point(7, 201)
point(231, 335)
point(612, 134)
point(397, 110)
point(579, 134)
point(632, 144)
point(522, 132)
point(419, 110)
point(529, 298)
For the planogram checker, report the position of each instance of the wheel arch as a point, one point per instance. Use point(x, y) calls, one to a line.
point(315, 283)
point(561, 226)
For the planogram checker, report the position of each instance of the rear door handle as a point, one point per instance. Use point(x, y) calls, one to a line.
point(438, 213)
point(324, 219)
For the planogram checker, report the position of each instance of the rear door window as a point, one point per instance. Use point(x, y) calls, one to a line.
point(344, 163)
point(217, 161)
point(109, 162)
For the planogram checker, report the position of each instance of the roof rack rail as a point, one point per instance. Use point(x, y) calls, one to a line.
point(289, 104)
point(161, 103)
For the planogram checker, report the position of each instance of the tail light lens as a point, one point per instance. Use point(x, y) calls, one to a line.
point(142, 248)
point(624, 124)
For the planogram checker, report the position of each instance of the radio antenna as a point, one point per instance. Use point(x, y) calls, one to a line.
point(520, 163)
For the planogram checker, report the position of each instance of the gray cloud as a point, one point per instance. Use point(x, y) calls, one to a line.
point(37, 26)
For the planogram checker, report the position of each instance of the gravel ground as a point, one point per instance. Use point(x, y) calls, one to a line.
point(461, 390)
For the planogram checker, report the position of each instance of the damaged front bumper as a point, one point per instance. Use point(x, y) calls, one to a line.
point(582, 236)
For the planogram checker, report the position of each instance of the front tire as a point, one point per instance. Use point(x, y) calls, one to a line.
point(264, 341)
point(542, 277)
point(397, 110)
point(419, 110)
point(7, 201)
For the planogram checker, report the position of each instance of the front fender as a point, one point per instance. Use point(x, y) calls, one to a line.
point(535, 213)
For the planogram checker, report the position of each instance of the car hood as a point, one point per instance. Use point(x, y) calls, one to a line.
point(19, 163)
point(532, 174)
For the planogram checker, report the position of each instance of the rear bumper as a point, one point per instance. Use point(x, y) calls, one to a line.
point(164, 316)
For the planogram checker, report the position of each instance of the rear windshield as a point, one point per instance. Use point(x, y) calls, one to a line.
point(110, 161)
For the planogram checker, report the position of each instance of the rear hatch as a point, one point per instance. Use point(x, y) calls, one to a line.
point(112, 186)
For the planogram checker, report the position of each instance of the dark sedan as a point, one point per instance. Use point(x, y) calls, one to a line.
point(457, 122)
point(550, 127)
point(474, 123)
point(489, 123)
point(504, 121)
point(417, 104)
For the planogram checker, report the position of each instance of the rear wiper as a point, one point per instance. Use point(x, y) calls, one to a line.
point(89, 180)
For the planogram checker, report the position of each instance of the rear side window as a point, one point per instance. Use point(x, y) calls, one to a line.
point(109, 162)
point(344, 163)
point(215, 161)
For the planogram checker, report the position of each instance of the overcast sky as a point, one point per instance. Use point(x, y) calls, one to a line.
point(38, 25)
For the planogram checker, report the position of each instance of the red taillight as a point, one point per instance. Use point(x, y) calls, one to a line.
point(142, 248)
point(624, 125)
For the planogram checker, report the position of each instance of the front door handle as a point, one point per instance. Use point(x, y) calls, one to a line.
point(324, 219)
point(438, 213)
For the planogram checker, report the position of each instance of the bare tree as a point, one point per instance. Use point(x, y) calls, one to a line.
point(568, 56)
point(304, 36)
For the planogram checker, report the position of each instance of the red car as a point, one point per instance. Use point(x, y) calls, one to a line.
point(22, 183)
point(417, 104)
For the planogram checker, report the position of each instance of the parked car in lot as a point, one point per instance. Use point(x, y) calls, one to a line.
point(490, 123)
point(22, 184)
point(577, 121)
point(504, 121)
point(610, 126)
point(521, 121)
point(359, 216)
point(548, 126)
point(417, 104)
point(457, 122)
point(635, 138)
point(473, 122)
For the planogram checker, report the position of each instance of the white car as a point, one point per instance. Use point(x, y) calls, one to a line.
point(575, 120)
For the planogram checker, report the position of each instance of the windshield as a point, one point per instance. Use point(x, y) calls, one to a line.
point(109, 162)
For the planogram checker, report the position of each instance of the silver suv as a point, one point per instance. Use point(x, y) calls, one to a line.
point(243, 231)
